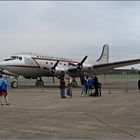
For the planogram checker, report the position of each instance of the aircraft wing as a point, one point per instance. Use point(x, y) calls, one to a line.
point(99, 68)
point(8, 73)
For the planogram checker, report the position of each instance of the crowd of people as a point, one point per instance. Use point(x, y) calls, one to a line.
point(90, 86)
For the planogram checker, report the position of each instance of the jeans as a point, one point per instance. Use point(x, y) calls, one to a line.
point(83, 90)
point(62, 92)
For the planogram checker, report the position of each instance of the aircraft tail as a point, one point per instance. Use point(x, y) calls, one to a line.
point(104, 58)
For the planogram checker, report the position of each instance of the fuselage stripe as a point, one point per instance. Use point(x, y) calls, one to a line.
point(26, 66)
point(51, 59)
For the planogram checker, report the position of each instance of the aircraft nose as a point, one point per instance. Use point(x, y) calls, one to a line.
point(2, 65)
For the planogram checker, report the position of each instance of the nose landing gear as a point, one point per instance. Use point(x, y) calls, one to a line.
point(14, 84)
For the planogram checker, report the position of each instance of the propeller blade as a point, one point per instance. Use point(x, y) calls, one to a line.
point(79, 65)
point(53, 68)
point(56, 64)
point(83, 60)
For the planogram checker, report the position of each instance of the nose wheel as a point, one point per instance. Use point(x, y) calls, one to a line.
point(14, 84)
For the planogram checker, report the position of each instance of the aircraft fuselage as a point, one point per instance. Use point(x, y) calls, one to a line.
point(36, 66)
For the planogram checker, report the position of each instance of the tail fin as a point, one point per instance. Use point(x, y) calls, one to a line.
point(104, 58)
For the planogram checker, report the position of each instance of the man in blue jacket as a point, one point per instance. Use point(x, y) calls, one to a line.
point(3, 90)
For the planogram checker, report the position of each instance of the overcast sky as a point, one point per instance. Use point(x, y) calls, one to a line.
point(70, 29)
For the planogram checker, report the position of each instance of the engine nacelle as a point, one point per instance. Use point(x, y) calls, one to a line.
point(59, 71)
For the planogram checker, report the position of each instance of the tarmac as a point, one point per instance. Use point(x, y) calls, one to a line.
point(40, 113)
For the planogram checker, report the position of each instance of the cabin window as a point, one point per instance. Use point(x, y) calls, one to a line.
point(13, 57)
point(51, 63)
point(46, 62)
point(20, 58)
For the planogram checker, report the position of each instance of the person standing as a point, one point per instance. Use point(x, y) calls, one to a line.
point(96, 86)
point(62, 87)
point(3, 91)
point(69, 87)
point(90, 82)
point(83, 81)
point(99, 88)
point(86, 86)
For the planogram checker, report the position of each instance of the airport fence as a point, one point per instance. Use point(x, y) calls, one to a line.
point(110, 82)
point(121, 82)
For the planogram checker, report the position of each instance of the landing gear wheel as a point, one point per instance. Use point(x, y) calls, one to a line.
point(14, 84)
point(75, 84)
point(39, 83)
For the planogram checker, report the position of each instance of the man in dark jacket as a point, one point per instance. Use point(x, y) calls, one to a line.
point(62, 87)
point(83, 82)
point(96, 86)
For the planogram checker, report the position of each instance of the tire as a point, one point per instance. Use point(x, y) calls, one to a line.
point(14, 84)
point(74, 84)
point(39, 83)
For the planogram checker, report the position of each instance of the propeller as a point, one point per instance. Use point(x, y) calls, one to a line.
point(53, 68)
point(80, 65)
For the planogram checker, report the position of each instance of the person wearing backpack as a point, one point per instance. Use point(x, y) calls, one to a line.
point(3, 90)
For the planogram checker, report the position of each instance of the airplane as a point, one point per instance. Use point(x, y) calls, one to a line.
point(35, 66)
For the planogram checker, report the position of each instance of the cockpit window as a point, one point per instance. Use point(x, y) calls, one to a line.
point(13, 58)
point(8, 59)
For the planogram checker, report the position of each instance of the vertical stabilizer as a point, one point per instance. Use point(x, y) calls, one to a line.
point(104, 58)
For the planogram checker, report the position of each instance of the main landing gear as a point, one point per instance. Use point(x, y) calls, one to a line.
point(39, 82)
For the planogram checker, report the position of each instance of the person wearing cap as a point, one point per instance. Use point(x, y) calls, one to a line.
point(3, 90)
